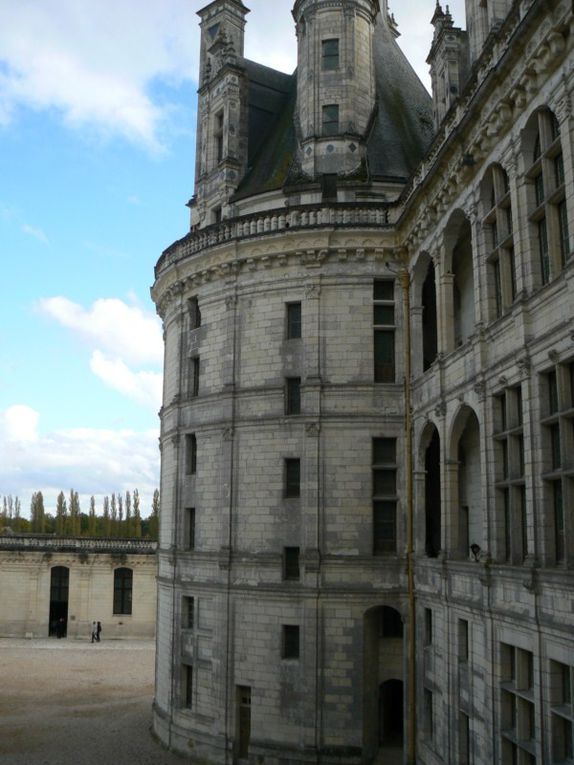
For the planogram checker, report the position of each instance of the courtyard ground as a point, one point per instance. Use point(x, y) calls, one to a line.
point(66, 702)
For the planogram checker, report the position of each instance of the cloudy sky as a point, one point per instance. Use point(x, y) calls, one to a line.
point(97, 120)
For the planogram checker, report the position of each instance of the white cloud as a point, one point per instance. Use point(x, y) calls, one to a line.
point(37, 233)
point(91, 461)
point(19, 424)
point(143, 387)
point(96, 62)
point(124, 331)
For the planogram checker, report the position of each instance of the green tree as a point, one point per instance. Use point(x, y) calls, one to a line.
point(92, 522)
point(137, 521)
point(37, 513)
point(114, 515)
point(121, 529)
point(129, 519)
point(106, 521)
point(61, 514)
point(74, 517)
point(154, 518)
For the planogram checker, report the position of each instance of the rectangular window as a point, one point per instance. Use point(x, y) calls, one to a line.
point(290, 642)
point(543, 251)
point(291, 571)
point(218, 133)
point(187, 617)
point(539, 189)
point(384, 331)
point(330, 54)
point(555, 449)
point(552, 392)
point(463, 739)
point(123, 589)
point(559, 170)
point(497, 286)
point(190, 454)
point(384, 488)
point(187, 689)
point(428, 714)
point(189, 530)
point(194, 313)
point(463, 650)
point(292, 477)
point(428, 635)
point(564, 237)
point(330, 119)
point(293, 321)
point(559, 531)
point(293, 396)
point(194, 376)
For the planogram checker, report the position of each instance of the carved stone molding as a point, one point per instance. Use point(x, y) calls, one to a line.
point(228, 434)
point(312, 429)
point(312, 291)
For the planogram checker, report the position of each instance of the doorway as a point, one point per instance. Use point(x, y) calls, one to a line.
point(243, 717)
point(391, 713)
point(58, 618)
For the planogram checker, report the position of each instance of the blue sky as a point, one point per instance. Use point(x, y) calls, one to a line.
point(97, 139)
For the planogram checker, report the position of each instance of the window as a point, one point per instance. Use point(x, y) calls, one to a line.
point(290, 643)
point(194, 313)
point(293, 321)
point(217, 215)
point(463, 641)
point(194, 376)
point(330, 54)
point(548, 214)
point(517, 726)
point(562, 712)
point(218, 135)
point(187, 617)
point(558, 447)
point(189, 528)
point(463, 739)
point(190, 454)
point(293, 396)
point(291, 570)
point(391, 623)
point(384, 479)
point(497, 224)
point(510, 478)
point(384, 331)
point(428, 714)
point(187, 683)
point(292, 477)
point(330, 119)
point(428, 636)
point(123, 584)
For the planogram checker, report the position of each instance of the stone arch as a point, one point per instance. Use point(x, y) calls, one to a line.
point(467, 522)
point(383, 680)
point(460, 315)
point(430, 462)
point(424, 310)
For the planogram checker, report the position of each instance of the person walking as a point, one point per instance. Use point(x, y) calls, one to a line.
point(94, 632)
point(98, 631)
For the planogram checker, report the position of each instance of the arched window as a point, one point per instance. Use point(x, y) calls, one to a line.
point(459, 263)
point(498, 230)
point(547, 203)
point(123, 585)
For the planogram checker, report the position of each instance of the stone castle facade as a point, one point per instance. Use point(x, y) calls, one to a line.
point(57, 586)
point(367, 527)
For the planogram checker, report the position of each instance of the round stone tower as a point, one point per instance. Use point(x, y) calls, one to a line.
point(336, 92)
point(281, 578)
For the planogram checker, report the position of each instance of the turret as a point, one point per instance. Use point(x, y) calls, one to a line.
point(448, 61)
point(222, 120)
point(336, 93)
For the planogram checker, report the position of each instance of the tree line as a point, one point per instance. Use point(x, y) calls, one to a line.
point(120, 516)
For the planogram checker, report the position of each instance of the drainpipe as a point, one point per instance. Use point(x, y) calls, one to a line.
point(404, 281)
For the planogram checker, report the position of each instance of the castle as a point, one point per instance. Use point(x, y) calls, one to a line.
point(367, 431)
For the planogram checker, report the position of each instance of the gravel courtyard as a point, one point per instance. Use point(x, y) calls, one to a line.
point(65, 702)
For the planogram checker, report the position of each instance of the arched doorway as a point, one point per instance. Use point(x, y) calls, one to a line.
point(58, 617)
point(383, 683)
point(432, 496)
point(467, 516)
point(391, 713)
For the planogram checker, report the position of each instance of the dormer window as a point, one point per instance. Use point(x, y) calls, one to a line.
point(331, 119)
point(330, 54)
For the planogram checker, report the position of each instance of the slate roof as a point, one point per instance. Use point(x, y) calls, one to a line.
point(400, 133)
